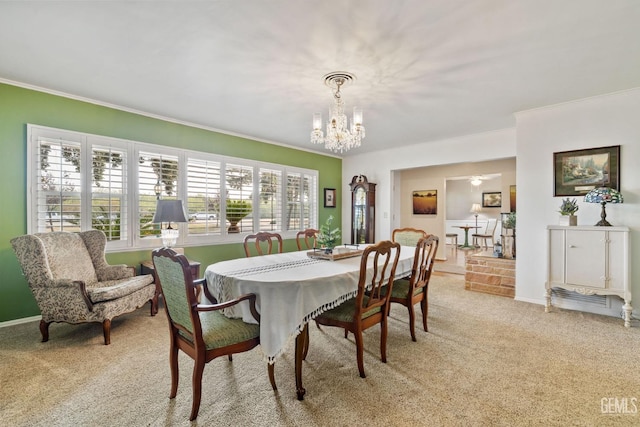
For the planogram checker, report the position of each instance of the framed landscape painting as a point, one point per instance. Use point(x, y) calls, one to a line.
point(512, 198)
point(577, 172)
point(492, 199)
point(425, 202)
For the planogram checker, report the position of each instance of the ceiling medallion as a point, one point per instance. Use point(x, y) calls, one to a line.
point(340, 137)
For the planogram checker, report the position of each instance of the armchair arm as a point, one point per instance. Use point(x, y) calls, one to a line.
point(85, 296)
point(220, 306)
point(72, 292)
point(115, 272)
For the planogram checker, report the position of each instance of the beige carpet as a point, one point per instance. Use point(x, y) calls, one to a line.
point(487, 361)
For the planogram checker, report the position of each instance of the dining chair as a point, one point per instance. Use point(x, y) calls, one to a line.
point(308, 237)
point(407, 236)
point(201, 331)
point(370, 306)
point(487, 235)
point(414, 289)
point(261, 239)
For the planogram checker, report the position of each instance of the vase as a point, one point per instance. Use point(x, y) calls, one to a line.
point(570, 220)
point(509, 243)
point(233, 227)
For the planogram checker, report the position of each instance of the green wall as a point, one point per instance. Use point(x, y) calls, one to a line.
point(19, 106)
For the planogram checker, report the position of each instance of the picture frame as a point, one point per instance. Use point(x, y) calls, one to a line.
point(512, 198)
point(577, 172)
point(492, 199)
point(425, 202)
point(329, 197)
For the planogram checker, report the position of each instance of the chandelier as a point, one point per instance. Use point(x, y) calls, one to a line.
point(339, 137)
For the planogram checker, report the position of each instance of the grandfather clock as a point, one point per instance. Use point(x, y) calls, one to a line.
point(363, 210)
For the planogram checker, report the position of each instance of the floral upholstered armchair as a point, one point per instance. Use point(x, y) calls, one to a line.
point(72, 282)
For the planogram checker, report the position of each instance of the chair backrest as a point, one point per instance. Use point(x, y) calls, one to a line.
point(407, 236)
point(60, 255)
point(491, 227)
point(377, 271)
point(176, 281)
point(307, 236)
point(262, 239)
point(423, 262)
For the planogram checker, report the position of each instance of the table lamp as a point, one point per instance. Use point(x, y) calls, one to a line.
point(603, 195)
point(475, 209)
point(169, 211)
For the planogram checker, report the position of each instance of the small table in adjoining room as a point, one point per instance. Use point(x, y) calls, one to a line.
point(466, 228)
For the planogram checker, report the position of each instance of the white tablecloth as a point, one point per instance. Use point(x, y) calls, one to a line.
point(291, 290)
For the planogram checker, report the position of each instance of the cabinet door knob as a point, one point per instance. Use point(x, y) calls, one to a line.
point(572, 246)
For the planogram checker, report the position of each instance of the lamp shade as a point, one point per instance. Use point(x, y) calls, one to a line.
point(475, 208)
point(603, 195)
point(169, 211)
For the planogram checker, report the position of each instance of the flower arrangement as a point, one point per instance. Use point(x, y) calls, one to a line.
point(326, 237)
point(568, 207)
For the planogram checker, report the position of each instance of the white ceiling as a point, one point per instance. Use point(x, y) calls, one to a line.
point(426, 69)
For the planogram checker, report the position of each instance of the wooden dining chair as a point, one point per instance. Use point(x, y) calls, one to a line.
point(306, 237)
point(260, 240)
point(407, 236)
point(488, 234)
point(414, 289)
point(370, 306)
point(202, 332)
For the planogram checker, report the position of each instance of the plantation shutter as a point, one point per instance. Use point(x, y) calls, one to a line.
point(203, 205)
point(58, 189)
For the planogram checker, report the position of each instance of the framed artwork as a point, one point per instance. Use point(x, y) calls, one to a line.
point(577, 172)
point(492, 199)
point(512, 198)
point(329, 197)
point(425, 202)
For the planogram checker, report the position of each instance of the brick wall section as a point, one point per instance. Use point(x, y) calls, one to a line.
point(490, 275)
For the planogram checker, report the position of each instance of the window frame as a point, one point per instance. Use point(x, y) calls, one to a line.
point(132, 193)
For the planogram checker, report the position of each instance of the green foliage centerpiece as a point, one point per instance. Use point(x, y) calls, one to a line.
point(568, 208)
point(328, 238)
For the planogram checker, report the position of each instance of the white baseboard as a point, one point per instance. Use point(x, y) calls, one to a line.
point(20, 321)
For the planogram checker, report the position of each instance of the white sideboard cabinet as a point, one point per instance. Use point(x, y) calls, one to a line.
point(590, 260)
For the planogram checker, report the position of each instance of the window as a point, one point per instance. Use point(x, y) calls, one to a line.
point(80, 181)
point(108, 191)
point(157, 179)
point(204, 196)
point(301, 198)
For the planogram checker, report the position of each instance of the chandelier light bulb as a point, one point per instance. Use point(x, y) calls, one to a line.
point(317, 121)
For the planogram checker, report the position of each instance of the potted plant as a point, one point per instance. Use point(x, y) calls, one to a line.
point(568, 208)
point(510, 221)
point(236, 210)
point(509, 235)
point(326, 237)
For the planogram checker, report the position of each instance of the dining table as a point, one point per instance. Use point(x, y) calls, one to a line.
point(291, 288)
point(466, 228)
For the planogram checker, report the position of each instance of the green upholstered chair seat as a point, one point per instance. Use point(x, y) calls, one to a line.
point(345, 311)
point(401, 289)
point(220, 331)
